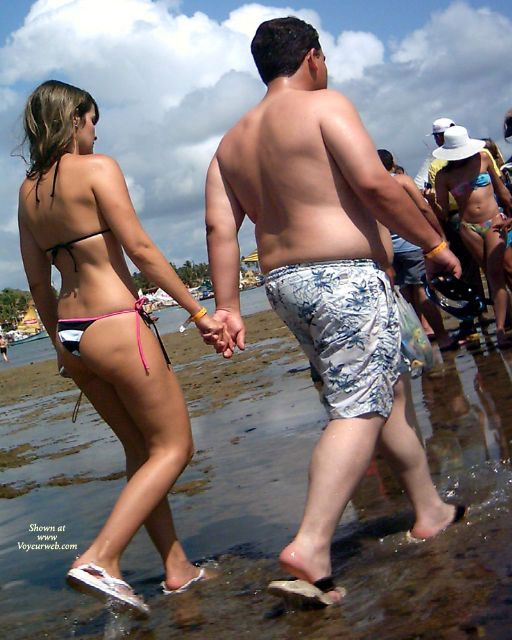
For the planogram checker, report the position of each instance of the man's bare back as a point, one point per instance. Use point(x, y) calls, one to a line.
point(285, 179)
point(302, 166)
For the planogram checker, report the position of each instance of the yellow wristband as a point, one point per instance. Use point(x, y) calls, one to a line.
point(202, 311)
point(197, 316)
point(442, 245)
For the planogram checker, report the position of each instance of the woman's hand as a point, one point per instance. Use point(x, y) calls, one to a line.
point(215, 333)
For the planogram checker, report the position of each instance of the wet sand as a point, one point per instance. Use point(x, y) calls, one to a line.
point(255, 421)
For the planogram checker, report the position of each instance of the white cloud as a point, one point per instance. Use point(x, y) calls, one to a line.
point(169, 85)
point(353, 54)
point(447, 68)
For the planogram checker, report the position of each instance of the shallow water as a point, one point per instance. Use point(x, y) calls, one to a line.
point(250, 476)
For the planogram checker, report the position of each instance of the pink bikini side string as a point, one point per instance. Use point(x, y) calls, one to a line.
point(138, 309)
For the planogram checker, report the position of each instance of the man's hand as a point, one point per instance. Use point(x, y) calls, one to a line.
point(443, 262)
point(235, 327)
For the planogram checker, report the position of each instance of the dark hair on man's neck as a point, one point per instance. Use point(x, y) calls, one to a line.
point(386, 159)
point(280, 46)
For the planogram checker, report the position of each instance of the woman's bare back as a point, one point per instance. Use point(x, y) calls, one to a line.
point(95, 278)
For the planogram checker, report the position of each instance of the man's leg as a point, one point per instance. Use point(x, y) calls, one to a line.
point(406, 456)
point(340, 459)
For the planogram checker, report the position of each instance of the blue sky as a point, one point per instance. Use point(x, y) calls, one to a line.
point(170, 82)
point(390, 19)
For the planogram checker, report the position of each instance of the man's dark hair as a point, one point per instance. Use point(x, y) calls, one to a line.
point(280, 46)
point(386, 158)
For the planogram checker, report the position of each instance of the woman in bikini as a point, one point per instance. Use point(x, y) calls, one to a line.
point(75, 212)
point(470, 177)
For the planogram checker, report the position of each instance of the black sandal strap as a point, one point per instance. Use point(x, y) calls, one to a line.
point(325, 584)
point(460, 511)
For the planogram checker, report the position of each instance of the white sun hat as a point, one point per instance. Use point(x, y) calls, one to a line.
point(441, 125)
point(458, 145)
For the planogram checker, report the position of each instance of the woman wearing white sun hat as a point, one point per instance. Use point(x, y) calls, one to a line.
point(472, 180)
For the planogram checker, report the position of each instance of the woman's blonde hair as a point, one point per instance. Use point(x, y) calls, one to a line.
point(49, 124)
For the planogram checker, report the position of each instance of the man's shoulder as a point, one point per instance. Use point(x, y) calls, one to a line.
point(328, 97)
point(235, 133)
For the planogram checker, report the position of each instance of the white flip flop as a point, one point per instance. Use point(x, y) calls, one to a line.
point(105, 587)
point(169, 592)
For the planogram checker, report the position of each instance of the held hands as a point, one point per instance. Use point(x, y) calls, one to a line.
point(216, 333)
point(235, 327)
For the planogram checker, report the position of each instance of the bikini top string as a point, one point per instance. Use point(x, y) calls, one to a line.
point(52, 194)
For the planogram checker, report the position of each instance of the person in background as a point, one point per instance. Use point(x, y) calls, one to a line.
point(507, 133)
point(494, 150)
point(471, 178)
point(409, 263)
point(450, 220)
point(75, 212)
point(3, 348)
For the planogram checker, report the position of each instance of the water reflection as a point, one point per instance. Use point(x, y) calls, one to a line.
point(455, 586)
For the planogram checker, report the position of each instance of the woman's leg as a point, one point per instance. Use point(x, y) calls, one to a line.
point(159, 524)
point(494, 251)
point(138, 407)
point(428, 309)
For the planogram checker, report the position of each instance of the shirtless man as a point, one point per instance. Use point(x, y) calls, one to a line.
point(3, 348)
point(302, 167)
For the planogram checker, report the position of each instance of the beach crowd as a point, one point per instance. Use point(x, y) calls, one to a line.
point(337, 224)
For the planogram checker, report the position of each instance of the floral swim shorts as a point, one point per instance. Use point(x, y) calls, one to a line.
point(344, 316)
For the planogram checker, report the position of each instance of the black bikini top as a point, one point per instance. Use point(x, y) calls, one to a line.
point(65, 245)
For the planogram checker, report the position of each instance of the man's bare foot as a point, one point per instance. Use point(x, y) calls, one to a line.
point(303, 562)
point(430, 526)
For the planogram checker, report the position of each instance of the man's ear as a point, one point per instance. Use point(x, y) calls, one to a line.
point(312, 58)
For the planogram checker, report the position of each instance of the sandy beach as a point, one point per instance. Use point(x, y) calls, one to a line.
point(255, 420)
